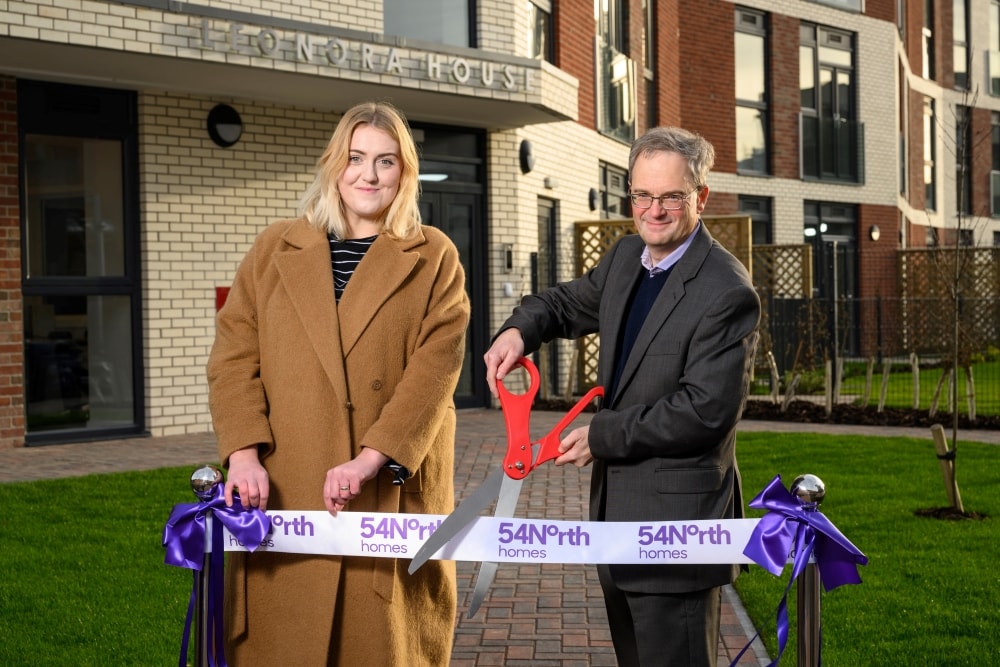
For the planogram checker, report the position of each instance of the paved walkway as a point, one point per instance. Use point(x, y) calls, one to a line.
point(535, 615)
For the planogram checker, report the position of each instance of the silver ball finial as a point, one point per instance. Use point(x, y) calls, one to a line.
point(810, 489)
point(204, 480)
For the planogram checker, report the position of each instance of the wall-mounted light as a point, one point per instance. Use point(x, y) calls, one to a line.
point(225, 126)
point(874, 233)
point(526, 156)
point(592, 199)
point(507, 257)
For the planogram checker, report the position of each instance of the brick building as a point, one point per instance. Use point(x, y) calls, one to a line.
point(146, 143)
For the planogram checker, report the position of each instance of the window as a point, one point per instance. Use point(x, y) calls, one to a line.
point(540, 43)
point(81, 277)
point(930, 155)
point(995, 173)
point(830, 220)
point(931, 237)
point(616, 76)
point(441, 21)
point(759, 210)
point(966, 238)
point(927, 37)
point(649, 62)
point(993, 56)
point(751, 92)
point(960, 43)
point(614, 192)
point(611, 24)
point(963, 160)
point(831, 139)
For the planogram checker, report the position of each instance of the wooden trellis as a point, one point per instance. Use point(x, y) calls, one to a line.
point(927, 281)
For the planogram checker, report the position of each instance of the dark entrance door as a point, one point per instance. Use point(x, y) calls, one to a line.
point(80, 263)
point(452, 184)
point(459, 215)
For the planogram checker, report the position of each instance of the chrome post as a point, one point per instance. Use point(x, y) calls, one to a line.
point(811, 491)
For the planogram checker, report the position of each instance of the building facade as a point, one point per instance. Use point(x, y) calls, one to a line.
point(145, 144)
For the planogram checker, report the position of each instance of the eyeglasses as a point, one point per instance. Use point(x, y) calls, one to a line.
point(671, 202)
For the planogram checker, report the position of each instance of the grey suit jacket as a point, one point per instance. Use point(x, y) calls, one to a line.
point(664, 444)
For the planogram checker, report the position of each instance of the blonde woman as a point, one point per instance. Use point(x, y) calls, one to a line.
point(337, 352)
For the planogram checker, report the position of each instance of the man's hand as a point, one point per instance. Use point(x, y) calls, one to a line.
point(502, 356)
point(575, 448)
point(248, 478)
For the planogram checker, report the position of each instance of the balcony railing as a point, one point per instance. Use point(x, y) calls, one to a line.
point(831, 149)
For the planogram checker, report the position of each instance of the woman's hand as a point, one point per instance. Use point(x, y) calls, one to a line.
point(343, 483)
point(248, 478)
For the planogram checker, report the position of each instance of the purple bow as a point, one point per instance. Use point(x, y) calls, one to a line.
point(184, 539)
point(792, 526)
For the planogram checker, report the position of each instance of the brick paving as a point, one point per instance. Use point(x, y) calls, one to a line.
point(535, 614)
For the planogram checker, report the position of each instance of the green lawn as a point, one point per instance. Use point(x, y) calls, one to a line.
point(85, 584)
point(929, 593)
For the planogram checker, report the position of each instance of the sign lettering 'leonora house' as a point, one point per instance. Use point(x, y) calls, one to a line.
point(332, 51)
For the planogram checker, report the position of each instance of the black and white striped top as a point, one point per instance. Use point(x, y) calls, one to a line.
point(345, 254)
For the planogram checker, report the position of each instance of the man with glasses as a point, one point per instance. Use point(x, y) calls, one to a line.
point(677, 317)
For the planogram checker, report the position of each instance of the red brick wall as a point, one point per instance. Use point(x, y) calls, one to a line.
point(942, 45)
point(706, 72)
point(721, 203)
point(884, 10)
point(912, 41)
point(785, 99)
point(915, 142)
point(11, 327)
point(575, 31)
point(877, 270)
point(668, 84)
point(982, 160)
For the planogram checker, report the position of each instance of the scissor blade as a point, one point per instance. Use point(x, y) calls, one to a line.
point(468, 510)
point(510, 489)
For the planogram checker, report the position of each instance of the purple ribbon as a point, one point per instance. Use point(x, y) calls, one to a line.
point(793, 526)
point(184, 540)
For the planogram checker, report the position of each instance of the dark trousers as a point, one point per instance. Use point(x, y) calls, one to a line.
point(663, 630)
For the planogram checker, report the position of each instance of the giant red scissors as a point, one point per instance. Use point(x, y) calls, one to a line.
point(504, 484)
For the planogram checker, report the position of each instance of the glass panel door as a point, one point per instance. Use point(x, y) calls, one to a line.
point(80, 267)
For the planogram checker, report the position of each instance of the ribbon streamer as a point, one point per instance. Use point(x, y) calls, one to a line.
point(184, 538)
point(792, 526)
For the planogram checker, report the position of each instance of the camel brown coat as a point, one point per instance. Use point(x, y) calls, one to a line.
point(310, 381)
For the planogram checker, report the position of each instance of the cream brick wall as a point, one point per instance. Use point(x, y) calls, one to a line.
point(147, 31)
point(201, 207)
point(503, 26)
point(569, 156)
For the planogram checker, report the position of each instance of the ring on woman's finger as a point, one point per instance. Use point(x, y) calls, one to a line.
point(345, 488)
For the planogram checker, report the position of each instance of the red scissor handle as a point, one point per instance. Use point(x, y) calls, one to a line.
point(517, 414)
